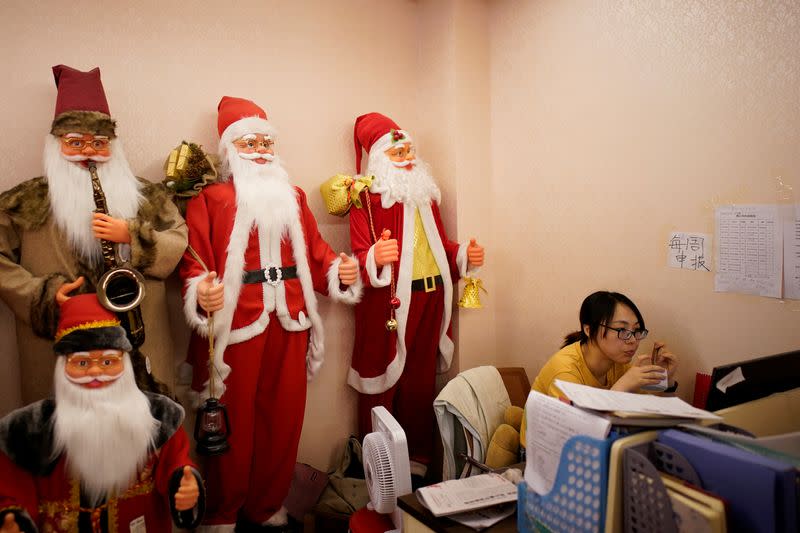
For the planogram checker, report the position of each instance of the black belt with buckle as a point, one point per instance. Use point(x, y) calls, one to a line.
point(428, 284)
point(271, 275)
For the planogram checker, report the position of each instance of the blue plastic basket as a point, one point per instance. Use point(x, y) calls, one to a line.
point(577, 501)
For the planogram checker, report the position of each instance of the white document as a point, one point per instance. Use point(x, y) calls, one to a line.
point(733, 378)
point(481, 519)
point(791, 253)
point(550, 423)
point(460, 495)
point(689, 251)
point(630, 402)
point(749, 255)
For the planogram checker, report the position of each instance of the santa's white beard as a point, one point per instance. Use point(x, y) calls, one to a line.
point(263, 192)
point(398, 184)
point(72, 201)
point(106, 433)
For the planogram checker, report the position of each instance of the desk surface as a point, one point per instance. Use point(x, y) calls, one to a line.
point(411, 505)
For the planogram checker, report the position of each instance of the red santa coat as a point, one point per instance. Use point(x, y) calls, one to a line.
point(228, 242)
point(31, 482)
point(379, 355)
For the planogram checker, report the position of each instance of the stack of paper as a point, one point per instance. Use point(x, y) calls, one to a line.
point(694, 511)
point(551, 423)
point(460, 495)
point(631, 409)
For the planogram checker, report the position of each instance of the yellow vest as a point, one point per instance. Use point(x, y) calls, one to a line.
point(424, 262)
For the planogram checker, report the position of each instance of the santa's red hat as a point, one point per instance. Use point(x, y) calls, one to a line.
point(239, 116)
point(81, 105)
point(376, 131)
point(85, 325)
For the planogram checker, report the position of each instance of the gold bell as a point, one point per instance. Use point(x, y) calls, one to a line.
point(471, 297)
point(391, 324)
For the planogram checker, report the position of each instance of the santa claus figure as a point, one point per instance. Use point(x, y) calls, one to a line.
point(50, 235)
point(409, 265)
point(256, 258)
point(102, 456)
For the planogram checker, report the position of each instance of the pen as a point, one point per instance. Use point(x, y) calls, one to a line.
point(476, 463)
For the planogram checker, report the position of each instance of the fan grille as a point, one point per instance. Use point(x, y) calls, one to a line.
point(379, 472)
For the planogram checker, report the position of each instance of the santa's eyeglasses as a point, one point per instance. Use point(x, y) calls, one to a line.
point(254, 142)
point(78, 144)
point(106, 362)
point(401, 151)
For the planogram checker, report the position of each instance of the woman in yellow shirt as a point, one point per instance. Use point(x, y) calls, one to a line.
point(603, 354)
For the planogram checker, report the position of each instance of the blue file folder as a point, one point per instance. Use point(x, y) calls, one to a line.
point(762, 492)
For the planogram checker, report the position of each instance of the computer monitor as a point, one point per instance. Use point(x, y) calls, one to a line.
point(759, 378)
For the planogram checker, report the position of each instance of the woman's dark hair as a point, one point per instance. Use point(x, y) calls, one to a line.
point(598, 308)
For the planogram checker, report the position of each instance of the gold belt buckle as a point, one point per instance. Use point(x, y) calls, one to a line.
point(432, 286)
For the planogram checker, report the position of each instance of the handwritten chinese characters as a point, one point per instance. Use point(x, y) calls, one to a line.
point(689, 251)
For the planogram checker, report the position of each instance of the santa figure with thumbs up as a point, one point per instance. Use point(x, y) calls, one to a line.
point(102, 455)
point(409, 267)
point(255, 260)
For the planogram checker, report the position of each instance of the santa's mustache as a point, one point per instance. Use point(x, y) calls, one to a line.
point(256, 155)
point(401, 164)
point(78, 158)
point(88, 379)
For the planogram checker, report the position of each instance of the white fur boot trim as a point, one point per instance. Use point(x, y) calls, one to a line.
point(280, 518)
point(219, 528)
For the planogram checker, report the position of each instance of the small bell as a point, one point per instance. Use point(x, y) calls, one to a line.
point(471, 297)
point(394, 302)
point(391, 324)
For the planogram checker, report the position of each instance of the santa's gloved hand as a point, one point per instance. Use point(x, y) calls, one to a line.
point(188, 492)
point(9, 524)
point(475, 253)
point(386, 249)
point(348, 270)
point(62, 294)
point(210, 295)
point(112, 229)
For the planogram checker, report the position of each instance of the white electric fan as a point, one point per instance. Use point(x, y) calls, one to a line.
point(386, 466)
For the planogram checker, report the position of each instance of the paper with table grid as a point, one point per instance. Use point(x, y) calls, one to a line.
point(460, 495)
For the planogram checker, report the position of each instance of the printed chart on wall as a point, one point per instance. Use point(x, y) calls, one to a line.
point(791, 253)
point(758, 250)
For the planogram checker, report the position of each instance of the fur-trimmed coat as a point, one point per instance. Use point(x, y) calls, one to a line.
point(36, 259)
point(379, 355)
point(229, 242)
point(38, 489)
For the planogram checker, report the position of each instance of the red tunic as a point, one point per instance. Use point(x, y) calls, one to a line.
point(375, 365)
point(52, 497)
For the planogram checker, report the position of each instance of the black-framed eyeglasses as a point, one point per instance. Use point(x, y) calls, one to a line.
point(625, 334)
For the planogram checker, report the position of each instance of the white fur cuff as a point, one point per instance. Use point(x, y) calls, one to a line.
point(196, 321)
point(352, 294)
point(463, 263)
point(376, 280)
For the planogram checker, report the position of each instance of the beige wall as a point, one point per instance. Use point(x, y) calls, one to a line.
point(614, 123)
point(569, 137)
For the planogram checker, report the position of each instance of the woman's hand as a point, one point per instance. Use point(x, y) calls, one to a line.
point(642, 373)
point(665, 359)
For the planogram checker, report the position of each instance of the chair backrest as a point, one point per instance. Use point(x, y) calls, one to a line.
point(471, 405)
point(517, 384)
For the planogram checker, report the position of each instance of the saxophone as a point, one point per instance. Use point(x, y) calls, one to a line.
point(120, 288)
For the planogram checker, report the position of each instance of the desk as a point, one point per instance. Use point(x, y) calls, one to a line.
point(417, 519)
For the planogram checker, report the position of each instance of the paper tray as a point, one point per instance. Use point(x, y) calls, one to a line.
point(578, 499)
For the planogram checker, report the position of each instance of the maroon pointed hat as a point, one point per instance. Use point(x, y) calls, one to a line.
point(377, 131)
point(81, 105)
